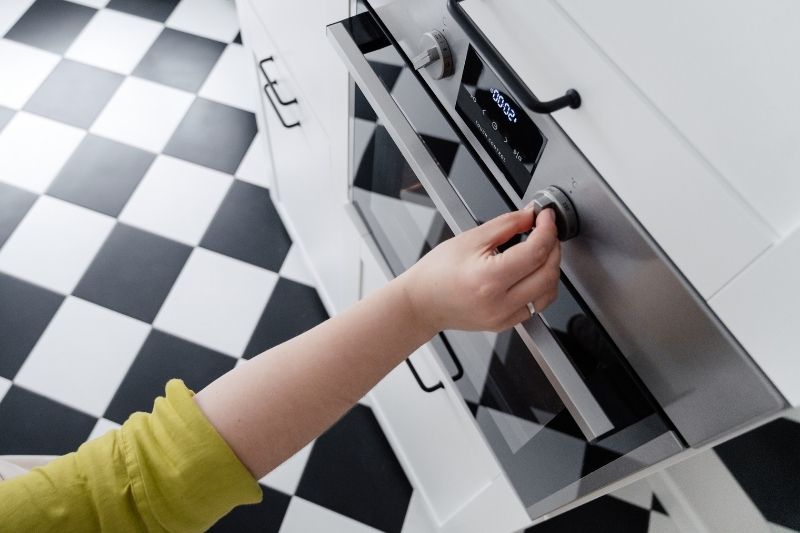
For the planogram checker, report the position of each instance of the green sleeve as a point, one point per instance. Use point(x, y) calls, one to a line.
point(168, 470)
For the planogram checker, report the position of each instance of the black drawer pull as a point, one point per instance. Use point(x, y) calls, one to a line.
point(440, 385)
point(272, 82)
point(277, 112)
point(570, 99)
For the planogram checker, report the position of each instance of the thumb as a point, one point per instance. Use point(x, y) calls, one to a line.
point(500, 229)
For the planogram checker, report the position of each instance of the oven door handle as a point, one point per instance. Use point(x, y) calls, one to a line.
point(570, 98)
point(563, 376)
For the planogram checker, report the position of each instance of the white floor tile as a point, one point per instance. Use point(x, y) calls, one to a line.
point(33, 149)
point(114, 41)
point(83, 355)
point(661, 524)
point(22, 69)
point(54, 244)
point(286, 477)
point(143, 114)
point(102, 427)
point(177, 199)
point(10, 12)
point(255, 167)
point(208, 18)
point(418, 520)
point(638, 493)
point(233, 79)
point(303, 517)
point(4, 386)
point(295, 268)
point(775, 528)
point(91, 3)
point(216, 301)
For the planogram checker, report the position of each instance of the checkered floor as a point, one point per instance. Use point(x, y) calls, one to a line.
point(138, 243)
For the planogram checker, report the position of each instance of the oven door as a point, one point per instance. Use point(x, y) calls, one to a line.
point(556, 401)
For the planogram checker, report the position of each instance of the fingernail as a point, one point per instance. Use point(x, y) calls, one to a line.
point(529, 206)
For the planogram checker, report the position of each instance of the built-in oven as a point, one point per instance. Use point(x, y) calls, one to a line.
point(628, 367)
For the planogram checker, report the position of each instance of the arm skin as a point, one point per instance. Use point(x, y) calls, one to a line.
point(272, 406)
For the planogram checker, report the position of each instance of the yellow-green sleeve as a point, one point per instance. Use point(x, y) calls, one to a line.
point(168, 470)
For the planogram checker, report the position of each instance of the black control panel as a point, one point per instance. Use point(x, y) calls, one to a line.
point(505, 130)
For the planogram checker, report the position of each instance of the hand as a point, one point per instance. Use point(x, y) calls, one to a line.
point(464, 283)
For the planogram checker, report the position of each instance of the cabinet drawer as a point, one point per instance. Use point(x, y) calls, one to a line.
point(297, 30)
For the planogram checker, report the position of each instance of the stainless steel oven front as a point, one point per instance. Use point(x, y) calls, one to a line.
point(628, 367)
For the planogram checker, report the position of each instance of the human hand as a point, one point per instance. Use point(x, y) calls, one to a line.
point(464, 283)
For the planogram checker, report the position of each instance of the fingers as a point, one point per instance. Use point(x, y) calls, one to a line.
point(540, 287)
point(500, 229)
point(526, 257)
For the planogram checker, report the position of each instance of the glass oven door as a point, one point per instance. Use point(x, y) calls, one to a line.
point(554, 398)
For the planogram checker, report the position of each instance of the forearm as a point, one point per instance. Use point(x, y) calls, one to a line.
point(282, 399)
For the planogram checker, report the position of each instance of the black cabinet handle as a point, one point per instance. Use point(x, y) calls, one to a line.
point(277, 111)
point(270, 86)
point(272, 82)
point(440, 385)
point(570, 99)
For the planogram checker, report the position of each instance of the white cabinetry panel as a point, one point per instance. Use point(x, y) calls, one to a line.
point(310, 176)
point(703, 225)
point(762, 308)
point(433, 436)
point(725, 74)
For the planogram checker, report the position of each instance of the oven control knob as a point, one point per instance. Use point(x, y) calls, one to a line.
point(436, 56)
point(566, 216)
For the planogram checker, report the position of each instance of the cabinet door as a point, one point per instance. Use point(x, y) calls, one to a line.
point(435, 438)
point(309, 190)
point(298, 31)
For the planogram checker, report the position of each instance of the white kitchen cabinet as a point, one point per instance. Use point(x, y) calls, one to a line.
point(309, 159)
point(705, 226)
point(437, 441)
point(723, 74)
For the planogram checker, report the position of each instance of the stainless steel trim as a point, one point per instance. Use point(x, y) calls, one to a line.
point(562, 375)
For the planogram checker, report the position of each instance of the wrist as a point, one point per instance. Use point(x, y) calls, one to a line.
point(418, 313)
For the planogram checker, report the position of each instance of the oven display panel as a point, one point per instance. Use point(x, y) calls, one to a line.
point(504, 129)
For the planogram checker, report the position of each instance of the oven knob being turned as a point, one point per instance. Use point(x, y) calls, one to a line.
point(436, 56)
point(566, 216)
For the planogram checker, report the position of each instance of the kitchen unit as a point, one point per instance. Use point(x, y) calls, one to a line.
point(421, 128)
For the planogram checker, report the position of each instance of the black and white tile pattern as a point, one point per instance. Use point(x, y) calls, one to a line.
point(138, 243)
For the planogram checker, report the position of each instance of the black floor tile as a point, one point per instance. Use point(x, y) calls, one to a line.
point(35, 425)
point(158, 10)
point(352, 470)
point(292, 309)
point(6, 115)
point(74, 93)
point(213, 135)
point(264, 517)
point(766, 464)
point(25, 311)
point(133, 272)
point(101, 174)
point(180, 60)
point(51, 24)
point(247, 227)
point(604, 515)
point(14, 204)
point(164, 357)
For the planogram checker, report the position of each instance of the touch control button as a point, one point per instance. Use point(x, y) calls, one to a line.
point(566, 216)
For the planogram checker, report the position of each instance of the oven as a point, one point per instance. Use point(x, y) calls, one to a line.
point(628, 367)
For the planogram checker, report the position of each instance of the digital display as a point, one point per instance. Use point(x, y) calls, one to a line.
point(504, 105)
point(508, 134)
